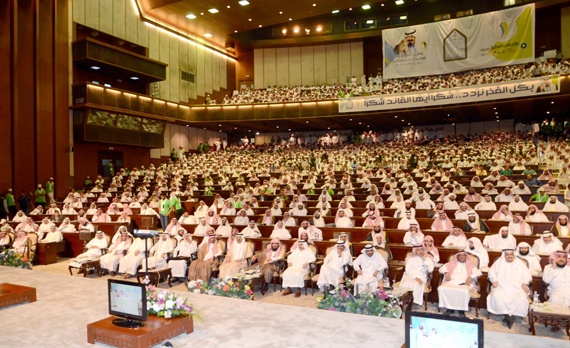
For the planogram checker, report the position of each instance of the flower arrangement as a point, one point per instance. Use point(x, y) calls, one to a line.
point(13, 259)
point(379, 303)
point(167, 304)
point(226, 288)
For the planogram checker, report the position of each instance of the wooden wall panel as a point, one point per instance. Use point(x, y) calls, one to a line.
point(183, 65)
point(307, 66)
point(153, 43)
point(282, 66)
point(164, 56)
point(332, 64)
point(199, 77)
point(565, 31)
point(320, 64)
point(356, 59)
point(142, 33)
point(208, 72)
point(193, 68)
point(24, 98)
point(215, 72)
point(106, 22)
point(258, 70)
point(344, 64)
point(295, 66)
point(79, 11)
point(270, 67)
point(44, 114)
point(224, 73)
point(174, 70)
point(131, 22)
point(62, 125)
point(6, 134)
point(92, 14)
point(118, 15)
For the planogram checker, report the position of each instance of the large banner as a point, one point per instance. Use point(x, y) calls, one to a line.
point(506, 90)
point(492, 39)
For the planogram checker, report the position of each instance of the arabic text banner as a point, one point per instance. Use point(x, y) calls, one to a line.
point(498, 38)
point(523, 88)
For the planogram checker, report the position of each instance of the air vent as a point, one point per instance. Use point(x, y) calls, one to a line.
point(187, 76)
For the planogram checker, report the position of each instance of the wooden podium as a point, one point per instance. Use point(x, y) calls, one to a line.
point(11, 294)
point(154, 331)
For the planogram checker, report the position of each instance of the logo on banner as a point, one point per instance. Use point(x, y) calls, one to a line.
point(455, 46)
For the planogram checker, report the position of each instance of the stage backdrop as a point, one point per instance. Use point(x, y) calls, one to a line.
point(492, 39)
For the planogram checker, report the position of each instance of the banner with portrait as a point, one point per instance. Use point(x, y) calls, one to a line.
point(517, 89)
point(497, 38)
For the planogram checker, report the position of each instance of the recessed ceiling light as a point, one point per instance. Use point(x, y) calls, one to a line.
point(319, 29)
point(235, 31)
point(244, 2)
point(370, 21)
point(260, 25)
point(95, 67)
point(289, 129)
point(256, 133)
point(107, 85)
point(280, 12)
point(403, 18)
point(213, 10)
point(366, 7)
point(290, 19)
point(350, 9)
point(249, 19)
point(191, 16)
point(229, 6)
point(395, 116)
point(187, 125)
point(314, 5)
point(399, 2)
point(306, 121)
point(296, 30)
point(335, 11)
point(208, 35)
point(284, 31)
point(134, 78)
point(277, 127)
point(548, 112)
point(552, 102)
point(382, 5)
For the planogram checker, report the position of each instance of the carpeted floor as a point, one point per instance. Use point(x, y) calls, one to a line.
point(494, 323)
point(66, 304)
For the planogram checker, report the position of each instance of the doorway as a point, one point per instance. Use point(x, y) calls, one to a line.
point(110, 162)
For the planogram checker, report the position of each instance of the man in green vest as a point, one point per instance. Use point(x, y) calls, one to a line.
point(40, 196)
point(176, 205)
point(11, 203)
point(50, 189)
point(540, 196)
point(164, 210)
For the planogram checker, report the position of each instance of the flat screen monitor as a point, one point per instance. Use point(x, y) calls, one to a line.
point(127, 301)
point(425, 330)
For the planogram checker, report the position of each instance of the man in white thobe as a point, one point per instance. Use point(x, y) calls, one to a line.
point(370, 267)
point(547, 244)
point(475, 247)
point(460, 278)
point(524, 251)
point(158, 252)
point(557, 276)
point(53, 236)
point(93, 251)
point(135, 256)
point(418, 266)
point(297, 267)
point(502, 240)
point(236, 258)
point(183, 251)
point(509, 277)
point(118, 249)
point(332, 268)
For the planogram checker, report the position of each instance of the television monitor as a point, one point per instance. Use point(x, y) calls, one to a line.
point(127, 301)
point(436, 330)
